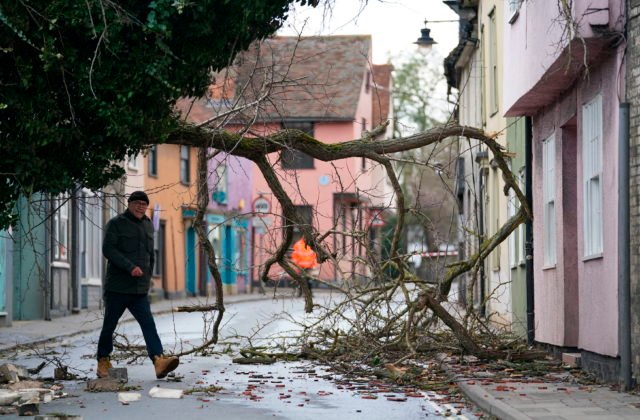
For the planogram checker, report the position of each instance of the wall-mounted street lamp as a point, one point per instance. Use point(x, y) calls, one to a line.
point(425, 41)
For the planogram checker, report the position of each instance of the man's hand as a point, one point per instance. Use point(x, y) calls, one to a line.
point(137, 272)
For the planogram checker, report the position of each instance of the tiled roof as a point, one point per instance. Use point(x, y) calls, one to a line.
point(309, 78)
point(317, 78)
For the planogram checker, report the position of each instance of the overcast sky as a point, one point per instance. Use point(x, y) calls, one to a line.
point(394, 24)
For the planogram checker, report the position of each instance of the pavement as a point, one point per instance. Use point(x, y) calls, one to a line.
point(559, 395)
point(22, 333)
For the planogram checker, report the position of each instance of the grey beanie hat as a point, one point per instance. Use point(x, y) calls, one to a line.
point(138, 196)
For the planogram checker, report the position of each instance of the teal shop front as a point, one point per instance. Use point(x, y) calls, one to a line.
point(230, 240)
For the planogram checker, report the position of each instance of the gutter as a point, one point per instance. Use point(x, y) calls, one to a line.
point(624, 283)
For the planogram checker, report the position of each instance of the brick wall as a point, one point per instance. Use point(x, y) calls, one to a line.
point(633, 97)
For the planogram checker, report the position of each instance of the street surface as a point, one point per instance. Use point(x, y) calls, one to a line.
point(291, 390)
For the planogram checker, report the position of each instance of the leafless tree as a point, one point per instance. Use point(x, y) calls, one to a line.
point(391, 306)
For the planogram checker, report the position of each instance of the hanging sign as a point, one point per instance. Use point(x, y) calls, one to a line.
point(261, 205)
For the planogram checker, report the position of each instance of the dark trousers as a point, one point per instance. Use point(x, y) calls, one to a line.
point(138, 305)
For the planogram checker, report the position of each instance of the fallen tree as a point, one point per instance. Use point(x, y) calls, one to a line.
point(423, 303)
point(107, 76)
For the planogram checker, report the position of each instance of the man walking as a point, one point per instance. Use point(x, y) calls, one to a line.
point(128, 248)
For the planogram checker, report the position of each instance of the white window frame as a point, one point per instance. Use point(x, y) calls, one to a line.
point(91, 236)
point(113, 206)
point(592, 177)
point(549, 197)
point(152, 161)
point(185, 165)
point(493, 62)
point(61, 228)
point(132, 163)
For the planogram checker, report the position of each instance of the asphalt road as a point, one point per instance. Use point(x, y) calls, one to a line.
point(282, 390)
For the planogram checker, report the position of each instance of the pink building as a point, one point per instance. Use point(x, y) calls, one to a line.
point(568, 77)
point(325, 87)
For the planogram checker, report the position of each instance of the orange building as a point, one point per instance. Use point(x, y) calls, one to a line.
point(169, 180)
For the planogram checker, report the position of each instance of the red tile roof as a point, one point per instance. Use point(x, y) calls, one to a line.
point(310, 78)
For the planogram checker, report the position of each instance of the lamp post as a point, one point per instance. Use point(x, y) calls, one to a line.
point(425, 41)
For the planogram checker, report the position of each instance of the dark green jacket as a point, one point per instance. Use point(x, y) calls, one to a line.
point(128, 242)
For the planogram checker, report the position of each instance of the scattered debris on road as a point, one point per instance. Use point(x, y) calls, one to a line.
point(157, 392)
point(128, 397)
point(104, 385)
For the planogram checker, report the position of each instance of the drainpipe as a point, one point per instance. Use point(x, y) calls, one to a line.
point(528, 228)
point(481, 238)
point(48, 260)
point(624, 287)
point(75, 251)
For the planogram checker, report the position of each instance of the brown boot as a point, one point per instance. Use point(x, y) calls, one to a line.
point(165, 364)
point(104, 364)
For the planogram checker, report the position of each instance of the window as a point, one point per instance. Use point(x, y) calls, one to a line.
point(215, 236)
point(113, 207)
point(294, 159)
point(460, 184)
point(241, 254)
point(158, 250)
point(220, 189)
point(60, 228)
point(153, 161)
point(482, 69)
point(363, 129)
point(494, 201)
point(132, 162)
point(493, 62)
point(185, 165)
point(91, 233)
point(592, 175)
point(549, 197)
point(305, 213)
point(348, 221)
point(517, 238)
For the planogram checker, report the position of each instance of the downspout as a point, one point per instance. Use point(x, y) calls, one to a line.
point(11, 245)
point(624, 286)
point(528, 228)
point(481, 239)
point(48, 260)
point(75, 252)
